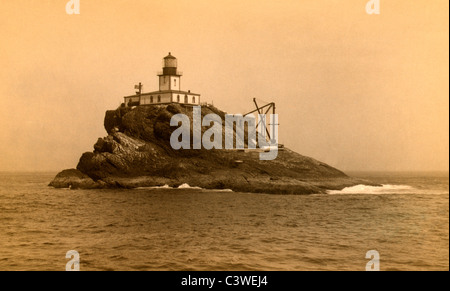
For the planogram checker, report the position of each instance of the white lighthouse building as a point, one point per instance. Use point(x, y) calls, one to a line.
point(169, 88)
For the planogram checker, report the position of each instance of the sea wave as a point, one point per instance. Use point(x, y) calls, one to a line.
point(186, 186)
point(183, 186)
point(154, 187)
point(385, 189)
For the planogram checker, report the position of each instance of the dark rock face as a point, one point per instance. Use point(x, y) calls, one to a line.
point(137, 153)
point(74, 179)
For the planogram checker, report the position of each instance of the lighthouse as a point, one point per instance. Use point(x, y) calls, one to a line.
point(169, 88)
point(169, 78)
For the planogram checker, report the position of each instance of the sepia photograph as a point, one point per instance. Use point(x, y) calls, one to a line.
point(245, 136)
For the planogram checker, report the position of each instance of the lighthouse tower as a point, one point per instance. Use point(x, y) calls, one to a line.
point(169, 89)
point(169, 79)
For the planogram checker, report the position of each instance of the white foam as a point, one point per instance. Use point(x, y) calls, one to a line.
point(219, 190)
point(154, 187)
point(186, 186)
point(183, 186)
point(384, 189)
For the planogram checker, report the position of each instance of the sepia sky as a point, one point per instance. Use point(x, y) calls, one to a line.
point(357, 91)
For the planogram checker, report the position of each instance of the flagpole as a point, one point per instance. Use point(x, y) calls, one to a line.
point(140, 92)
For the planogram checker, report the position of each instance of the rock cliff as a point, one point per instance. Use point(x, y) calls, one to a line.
point(137, 153)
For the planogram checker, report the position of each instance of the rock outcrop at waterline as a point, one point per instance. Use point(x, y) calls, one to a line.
point(137, 153)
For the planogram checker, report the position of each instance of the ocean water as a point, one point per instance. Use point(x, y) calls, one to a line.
point(406, 221)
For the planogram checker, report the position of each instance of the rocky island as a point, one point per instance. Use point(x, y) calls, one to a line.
point(137, 153)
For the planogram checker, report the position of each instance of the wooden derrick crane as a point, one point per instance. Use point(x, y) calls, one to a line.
point(263, 110)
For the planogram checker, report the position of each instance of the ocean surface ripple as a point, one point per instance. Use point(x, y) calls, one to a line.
point(406, 221)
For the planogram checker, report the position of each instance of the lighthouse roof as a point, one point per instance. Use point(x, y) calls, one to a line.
point(170, 56)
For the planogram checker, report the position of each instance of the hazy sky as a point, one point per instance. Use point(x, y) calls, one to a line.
point(357, 91)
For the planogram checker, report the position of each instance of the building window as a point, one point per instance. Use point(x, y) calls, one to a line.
point(186, 99)
point(151, 99)
point(193, 99)
point(159, 99)
point(174, 82)
point(178, 98)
